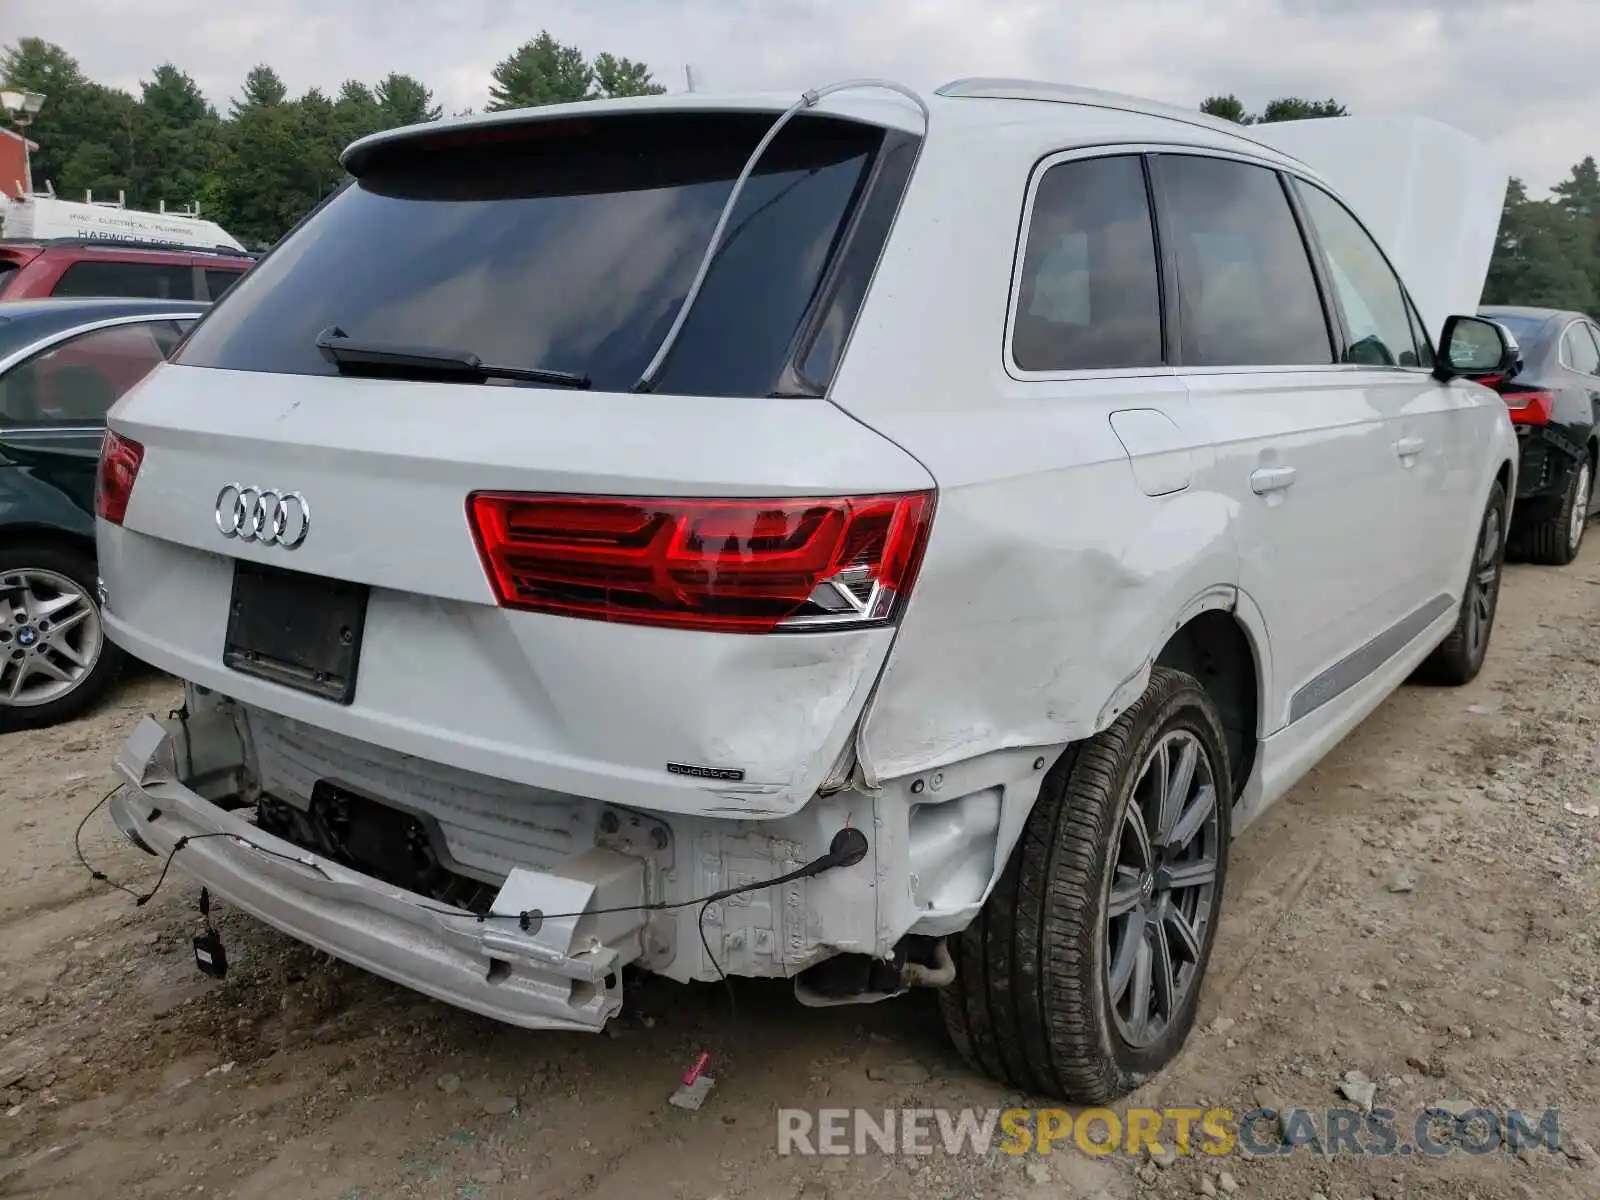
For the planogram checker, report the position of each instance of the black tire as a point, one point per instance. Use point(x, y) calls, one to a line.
point(1032, 1000)
point(62, 560)
point(1458, 659)
point(1554, 540)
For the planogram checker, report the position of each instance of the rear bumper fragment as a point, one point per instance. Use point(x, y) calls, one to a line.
point(561, 973)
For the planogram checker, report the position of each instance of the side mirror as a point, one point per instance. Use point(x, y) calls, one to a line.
point(1475, 347)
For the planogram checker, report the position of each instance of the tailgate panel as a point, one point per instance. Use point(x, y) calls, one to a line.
point(578, 707)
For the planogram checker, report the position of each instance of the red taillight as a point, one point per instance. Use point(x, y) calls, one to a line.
point(1529, 408)
point(119, 467)
point(733, 566)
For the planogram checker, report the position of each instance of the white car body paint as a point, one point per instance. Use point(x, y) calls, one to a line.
point(581, 707)
point(1081, 519)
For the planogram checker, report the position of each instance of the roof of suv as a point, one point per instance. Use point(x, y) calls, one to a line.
point(877, 101)
point(1066, 93)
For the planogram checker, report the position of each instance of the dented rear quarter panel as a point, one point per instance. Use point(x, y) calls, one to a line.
point(1051, 578)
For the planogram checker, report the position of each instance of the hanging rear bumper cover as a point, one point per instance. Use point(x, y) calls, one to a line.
point(558, 974)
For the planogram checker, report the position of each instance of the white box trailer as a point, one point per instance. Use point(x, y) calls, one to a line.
point(43, 218)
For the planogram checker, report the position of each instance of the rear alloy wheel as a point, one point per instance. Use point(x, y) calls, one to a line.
point(1579, 521)
point(1163, 889)
point(1459, 658)
point(1081, 976)
point(1554, 541)
point(55, 660)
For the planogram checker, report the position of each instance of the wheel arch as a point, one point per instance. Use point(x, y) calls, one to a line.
point(28, 533)
point(1221, 651)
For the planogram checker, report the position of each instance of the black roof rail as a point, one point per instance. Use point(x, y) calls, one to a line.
point(127, 244)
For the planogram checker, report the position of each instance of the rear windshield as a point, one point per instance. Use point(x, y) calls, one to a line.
point(569, 246)
point(1525, 329)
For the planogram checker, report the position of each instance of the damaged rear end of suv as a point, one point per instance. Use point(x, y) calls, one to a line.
point(847, 540)
point(523, 605)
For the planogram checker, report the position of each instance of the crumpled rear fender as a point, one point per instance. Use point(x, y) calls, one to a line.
point(1040, 606)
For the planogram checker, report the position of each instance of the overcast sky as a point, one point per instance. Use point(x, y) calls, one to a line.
point(1523, 74)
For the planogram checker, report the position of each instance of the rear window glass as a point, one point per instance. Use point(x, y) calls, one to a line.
point(1245, 284)
point(1578, 350)
point(76, 381)
point(154, 280)
point(1526, 330)
point(565, 246)
point(1090, 292)
point(219, 281)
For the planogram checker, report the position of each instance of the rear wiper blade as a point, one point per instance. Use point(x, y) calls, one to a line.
point(354, 357)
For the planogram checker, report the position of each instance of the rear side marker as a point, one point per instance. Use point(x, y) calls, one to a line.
point(728, 566)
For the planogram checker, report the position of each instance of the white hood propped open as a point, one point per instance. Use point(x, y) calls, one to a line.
point(1431, 194)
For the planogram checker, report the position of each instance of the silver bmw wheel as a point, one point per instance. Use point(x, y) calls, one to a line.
point(50, 637)
point(1163, 888)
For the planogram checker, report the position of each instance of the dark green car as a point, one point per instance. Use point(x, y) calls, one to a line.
point(63, 363)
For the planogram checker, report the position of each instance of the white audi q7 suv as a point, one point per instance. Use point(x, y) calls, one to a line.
point(870, 539)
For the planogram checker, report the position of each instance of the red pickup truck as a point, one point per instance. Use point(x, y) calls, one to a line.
point(104, 267)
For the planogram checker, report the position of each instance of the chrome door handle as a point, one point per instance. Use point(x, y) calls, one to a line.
point(1409, 447)
point(1271, 479)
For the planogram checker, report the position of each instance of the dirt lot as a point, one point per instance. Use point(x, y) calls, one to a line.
point(1422, 910)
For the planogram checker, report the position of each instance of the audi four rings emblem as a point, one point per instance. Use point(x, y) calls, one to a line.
point(263, 515)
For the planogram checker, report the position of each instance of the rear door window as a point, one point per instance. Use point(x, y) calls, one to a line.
point(169, 333)
point(1247, 293)
point(218, 282)
point(567, 246)
point(1089, 294)
point(74, 382)
point(92, 277)
point(1578, 350)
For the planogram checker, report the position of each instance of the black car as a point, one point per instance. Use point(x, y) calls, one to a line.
point(1554, 401)
point(63, 363)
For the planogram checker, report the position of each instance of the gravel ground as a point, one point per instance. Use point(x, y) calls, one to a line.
point(1417, 918)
